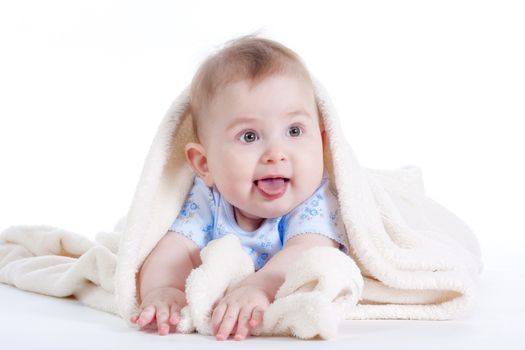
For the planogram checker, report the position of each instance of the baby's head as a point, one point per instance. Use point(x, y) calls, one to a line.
point(255, 116)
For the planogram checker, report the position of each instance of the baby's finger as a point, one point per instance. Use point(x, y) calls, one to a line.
point(228, 322)
point(146, 316)
point(175, 314)
point(242, 324)
point(218, 314)
point(257, 316)
point(163, 314)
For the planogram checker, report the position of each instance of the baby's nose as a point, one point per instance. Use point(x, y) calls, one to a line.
point(273, 154)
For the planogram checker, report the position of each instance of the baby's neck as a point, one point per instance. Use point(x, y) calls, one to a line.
point(246, 223)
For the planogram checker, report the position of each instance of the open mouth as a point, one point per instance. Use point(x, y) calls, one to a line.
point(285, 179)
point(272, 188)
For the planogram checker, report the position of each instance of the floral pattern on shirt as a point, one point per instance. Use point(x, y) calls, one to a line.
point(311, 209)
point(188, 211)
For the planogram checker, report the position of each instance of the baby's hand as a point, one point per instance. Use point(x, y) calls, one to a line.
point(164, 303)
point(242, 307)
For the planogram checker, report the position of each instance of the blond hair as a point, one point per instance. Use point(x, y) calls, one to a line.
point(245, 58)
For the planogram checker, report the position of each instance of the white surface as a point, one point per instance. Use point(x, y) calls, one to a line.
point(33, 321)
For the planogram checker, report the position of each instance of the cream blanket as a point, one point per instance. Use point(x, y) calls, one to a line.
point(410, 258)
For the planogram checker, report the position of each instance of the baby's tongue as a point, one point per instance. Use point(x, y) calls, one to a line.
point(271, 186)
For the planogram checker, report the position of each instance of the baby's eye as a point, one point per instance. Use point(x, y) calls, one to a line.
point(249, 136)
point(295, 131)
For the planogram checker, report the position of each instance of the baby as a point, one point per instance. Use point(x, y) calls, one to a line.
point(258, 161)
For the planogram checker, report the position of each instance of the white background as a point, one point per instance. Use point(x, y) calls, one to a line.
point(437, 84)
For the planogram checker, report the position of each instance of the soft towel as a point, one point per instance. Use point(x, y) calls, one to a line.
point(417, 260)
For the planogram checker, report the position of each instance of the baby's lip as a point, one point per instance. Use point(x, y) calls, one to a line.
point(273, 176)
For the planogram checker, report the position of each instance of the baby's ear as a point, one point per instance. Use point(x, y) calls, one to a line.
point(322, 129)
point(196, 158)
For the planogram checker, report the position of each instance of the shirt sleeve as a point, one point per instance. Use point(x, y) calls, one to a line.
point(318, 214)
point(196, 217)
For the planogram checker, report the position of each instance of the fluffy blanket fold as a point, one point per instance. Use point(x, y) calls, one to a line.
point(409, 258)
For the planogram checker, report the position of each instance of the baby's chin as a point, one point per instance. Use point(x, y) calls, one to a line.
point(271, 212)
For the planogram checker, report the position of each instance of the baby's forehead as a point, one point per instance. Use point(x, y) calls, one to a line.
point(283, 91)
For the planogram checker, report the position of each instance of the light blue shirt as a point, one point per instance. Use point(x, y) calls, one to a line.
point(206, 215)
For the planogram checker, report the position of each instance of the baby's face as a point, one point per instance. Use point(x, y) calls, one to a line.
point(271, 130)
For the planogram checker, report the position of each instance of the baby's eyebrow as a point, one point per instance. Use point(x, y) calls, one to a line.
point(300, 111)
point(242, 120)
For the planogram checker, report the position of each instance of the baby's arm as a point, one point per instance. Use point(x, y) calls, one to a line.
point(161, 281)
point(244, 306)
